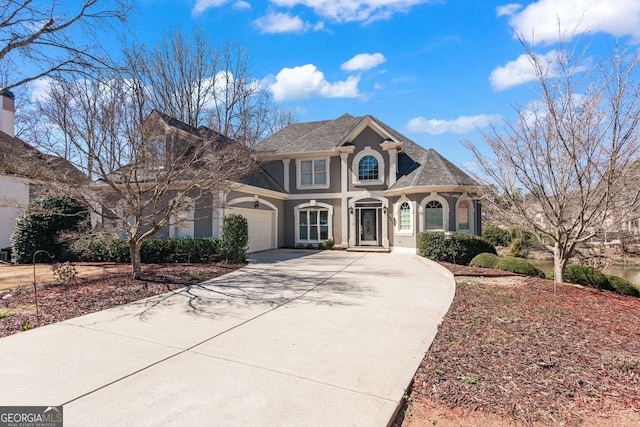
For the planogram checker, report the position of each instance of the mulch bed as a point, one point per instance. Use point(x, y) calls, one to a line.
point(97, 292)
point(519, 352)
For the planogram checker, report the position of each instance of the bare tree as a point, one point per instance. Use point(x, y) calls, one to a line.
point(180, 72)
point(51, 38)
point(241, 108)
point(569, 151)
point(168, 166)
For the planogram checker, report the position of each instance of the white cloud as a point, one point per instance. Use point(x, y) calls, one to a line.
point(39, 89)
point(540, 19)
point(202, 5)
point(307, 81)
point(274, 23)
point(520, 71)
point(508, 9)
point(350, 10)
point(462, 124)
point(364, 61)
point(242, 5)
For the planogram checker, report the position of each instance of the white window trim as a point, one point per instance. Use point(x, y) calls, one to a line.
point(299, 184)
point(445, 211)
point(173, 227)
point(368, 151)
point(312, 205)
point(466, 198)
point(412, 210)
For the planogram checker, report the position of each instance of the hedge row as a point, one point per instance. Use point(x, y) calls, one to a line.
point(515, 265)
point(458, 248)
point(152, 250)
point(589, 276)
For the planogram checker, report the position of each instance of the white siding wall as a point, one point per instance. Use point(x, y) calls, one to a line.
point(14, 198)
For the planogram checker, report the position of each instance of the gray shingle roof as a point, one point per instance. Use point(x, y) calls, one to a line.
point(20, 159)
point(417, 166)
point(309, 137)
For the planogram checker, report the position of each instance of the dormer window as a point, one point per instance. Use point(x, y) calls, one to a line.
point(368, 169)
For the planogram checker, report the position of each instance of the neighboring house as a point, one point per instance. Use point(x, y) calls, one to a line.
point(353, 180)
point(22, 168)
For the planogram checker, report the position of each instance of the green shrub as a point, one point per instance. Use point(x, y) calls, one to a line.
point(235, 236)
point(485, 260)
point(152, 250)
point(459, 248)
point(328, 244)
point(496, 235)
point(586, 276)
point(42, 225)
point(519, 266)
point(624, 286)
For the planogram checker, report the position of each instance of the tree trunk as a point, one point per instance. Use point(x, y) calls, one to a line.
point(136, 264)
point(559, 263)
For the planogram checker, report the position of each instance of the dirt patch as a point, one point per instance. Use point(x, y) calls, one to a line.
point(13, 276)
point(509, 353)
point(109, 288)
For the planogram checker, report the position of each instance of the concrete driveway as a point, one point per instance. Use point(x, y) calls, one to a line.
point(296, 338)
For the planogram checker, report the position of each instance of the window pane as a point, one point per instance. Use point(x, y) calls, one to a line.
point(303, 225)
point(313, 217)
point(368, 168)
point(320, 165)
point(433, 216)
point(305, 166)
point(463, 215)
point(324, 232)
point(321, 178)
point(405, 217)
point(324, 217)
point(313, 232)
point(306, 178)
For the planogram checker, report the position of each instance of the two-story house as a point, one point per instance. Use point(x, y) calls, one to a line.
point(356, 181)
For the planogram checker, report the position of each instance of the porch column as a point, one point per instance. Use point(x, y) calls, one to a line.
point(344, 209)
point(285, 163)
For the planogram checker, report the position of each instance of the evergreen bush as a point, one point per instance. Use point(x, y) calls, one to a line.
point(459, 248)
point(235, 237)
point(587, 276)
point(519, 266)
point(624, 286)
point(496, 235)
point(42, 225)
point(485, 260)
point(152, 251)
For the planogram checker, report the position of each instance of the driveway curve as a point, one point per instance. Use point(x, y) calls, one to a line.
point(296, 338)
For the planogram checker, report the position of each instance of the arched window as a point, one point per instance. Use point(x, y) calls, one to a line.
point(368, 169)
point(404, 218)
point(463, 215)
point(433, 216)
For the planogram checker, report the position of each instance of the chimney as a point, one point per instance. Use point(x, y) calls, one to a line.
point(7, 114)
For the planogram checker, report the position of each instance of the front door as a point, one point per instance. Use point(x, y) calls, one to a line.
point(369, 227)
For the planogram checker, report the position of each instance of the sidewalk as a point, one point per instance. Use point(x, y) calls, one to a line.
point(295, 338)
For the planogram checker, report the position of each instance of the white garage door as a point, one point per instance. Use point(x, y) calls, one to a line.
point(262, 229)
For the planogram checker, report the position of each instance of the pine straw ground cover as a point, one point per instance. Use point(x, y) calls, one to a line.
point(85, 295)
point(510, 353)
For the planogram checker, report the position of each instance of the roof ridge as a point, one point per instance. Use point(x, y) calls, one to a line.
point(324, 123)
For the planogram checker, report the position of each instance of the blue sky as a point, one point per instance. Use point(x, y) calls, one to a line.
point(434, 70)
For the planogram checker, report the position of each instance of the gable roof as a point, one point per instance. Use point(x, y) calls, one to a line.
point(20, 159)
point(417, 166)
